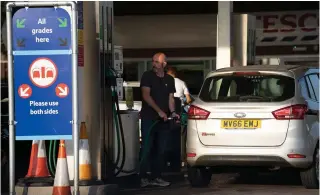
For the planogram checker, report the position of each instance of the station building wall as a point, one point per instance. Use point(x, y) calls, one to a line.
point(195, 35)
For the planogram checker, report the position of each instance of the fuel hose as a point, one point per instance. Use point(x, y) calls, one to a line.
point(52, 156)
point(145, 151)
point(120, 129)
point(121, 140)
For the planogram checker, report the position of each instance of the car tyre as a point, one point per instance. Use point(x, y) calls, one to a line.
point(310, 177)
point(199, 176)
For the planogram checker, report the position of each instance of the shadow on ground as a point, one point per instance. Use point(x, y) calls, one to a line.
point(130, 185)
point(287, 177)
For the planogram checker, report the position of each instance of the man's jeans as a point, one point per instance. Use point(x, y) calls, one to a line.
point(155, 145)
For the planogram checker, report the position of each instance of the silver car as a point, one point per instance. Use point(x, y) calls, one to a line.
point(256, 116)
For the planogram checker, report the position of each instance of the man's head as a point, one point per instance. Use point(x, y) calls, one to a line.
point(172, 71)
point(159, 62)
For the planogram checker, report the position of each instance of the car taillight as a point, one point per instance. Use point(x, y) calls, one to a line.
point(296, 156)
point(291, 112)
point(196, 113)
point(191, 155)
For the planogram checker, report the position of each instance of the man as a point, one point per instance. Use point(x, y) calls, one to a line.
point(180, 86)
point(157, 103)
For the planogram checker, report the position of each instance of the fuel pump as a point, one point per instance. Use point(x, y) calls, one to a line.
point(126, 145)
point(111, 69)
point(114, 123)
point(107, 85)
point(118, 68)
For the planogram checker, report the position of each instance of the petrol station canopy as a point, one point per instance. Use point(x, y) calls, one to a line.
point(206, 7)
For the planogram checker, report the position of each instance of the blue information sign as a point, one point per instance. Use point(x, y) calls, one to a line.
point(42, 73)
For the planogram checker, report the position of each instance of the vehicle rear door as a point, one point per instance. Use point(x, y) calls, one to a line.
point(246, 109)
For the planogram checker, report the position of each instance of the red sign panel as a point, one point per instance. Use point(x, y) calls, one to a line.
point(62, 90)
point(24, 91)
point(290, 22)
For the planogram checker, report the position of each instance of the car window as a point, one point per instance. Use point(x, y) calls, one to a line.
point(310, 89)
point(315, 84)
point(246, 88)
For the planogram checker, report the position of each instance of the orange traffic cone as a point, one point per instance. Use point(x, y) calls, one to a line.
point(42, 167)
point(85, 173)
point(61, 180)
point(33, 159)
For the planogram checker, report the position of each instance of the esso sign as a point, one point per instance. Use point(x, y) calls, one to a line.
point(288, 22)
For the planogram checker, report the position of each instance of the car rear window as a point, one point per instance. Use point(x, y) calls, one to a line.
point(247, 88)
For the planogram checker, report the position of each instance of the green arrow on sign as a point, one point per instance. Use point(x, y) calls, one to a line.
point(20, 23)
point(63, 22)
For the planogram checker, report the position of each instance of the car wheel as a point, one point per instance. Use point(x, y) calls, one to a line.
point(199, 176)
point(310, 177)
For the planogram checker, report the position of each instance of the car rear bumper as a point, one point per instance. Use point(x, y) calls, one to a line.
point(238, 159)
point(248, 156)
point(243, 160)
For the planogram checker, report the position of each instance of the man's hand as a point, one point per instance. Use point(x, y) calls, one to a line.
point(163, 115)
point(175, 115)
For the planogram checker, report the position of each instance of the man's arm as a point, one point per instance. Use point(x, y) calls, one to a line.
point(186, 93)
point(172, 105)
point(172, 90)
point(147, 98)
point(189, 100)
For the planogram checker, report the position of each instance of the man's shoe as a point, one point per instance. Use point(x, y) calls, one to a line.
point(160, 182)
point(144, 182)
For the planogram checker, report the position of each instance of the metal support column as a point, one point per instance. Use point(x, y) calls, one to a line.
point(224, 41)
point(243, 34)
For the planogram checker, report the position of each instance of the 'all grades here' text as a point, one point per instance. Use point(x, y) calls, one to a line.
point(42, 31)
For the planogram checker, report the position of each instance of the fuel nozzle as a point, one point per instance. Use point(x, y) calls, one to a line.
point(174, 123)
point(173, 118)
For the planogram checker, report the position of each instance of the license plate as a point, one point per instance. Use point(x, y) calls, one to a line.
point(241, 124)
